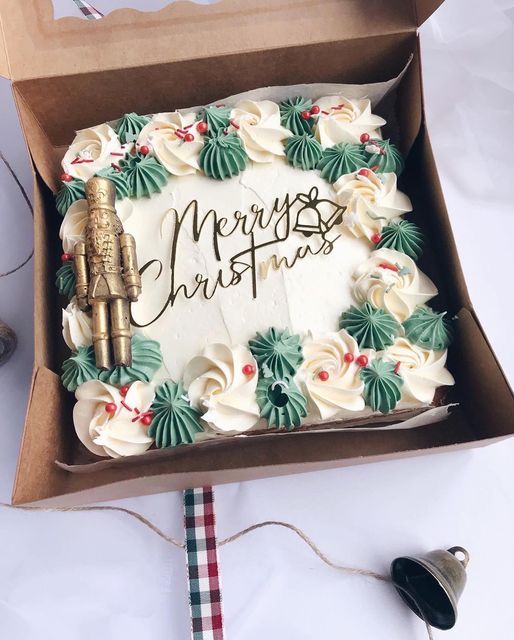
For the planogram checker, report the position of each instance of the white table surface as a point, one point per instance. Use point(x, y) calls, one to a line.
point(78, 576)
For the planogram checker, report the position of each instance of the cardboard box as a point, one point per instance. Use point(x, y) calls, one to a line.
point(71, 73)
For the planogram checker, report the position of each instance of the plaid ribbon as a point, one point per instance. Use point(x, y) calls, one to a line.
point(202, 565)
point(88, 11)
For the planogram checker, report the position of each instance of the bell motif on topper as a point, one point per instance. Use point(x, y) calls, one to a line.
point(108, 278)
point(317, 215)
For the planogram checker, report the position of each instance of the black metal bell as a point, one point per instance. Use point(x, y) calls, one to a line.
point(432, 585)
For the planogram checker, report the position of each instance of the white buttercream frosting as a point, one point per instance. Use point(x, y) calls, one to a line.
point(165, 137)
point(343, 387)
point(344, 120)
point(74, 222)
point(218, 387)
point(258, 126)
point(121, 433)
point(92, 150)
point(391, 280)
point(422, 370)
point(371, 201)
point(76, 326)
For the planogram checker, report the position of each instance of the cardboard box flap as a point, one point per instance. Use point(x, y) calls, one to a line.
point(37, 46)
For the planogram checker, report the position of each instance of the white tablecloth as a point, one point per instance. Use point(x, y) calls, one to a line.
point(79, 576)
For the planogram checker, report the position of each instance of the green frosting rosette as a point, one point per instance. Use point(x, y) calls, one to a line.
point(303, 151)
point(277, 351)
point(79, 368)
point(119, 179)
point(69, 193)
point(428, 328)
point(174, 421)
point(372, 328)
point(222, 156)
point(382, 386)
point(291, 115)
point(388, 160)
point(403, 236)
point(145, 175)
point(146, 360)
point(341, 159)
point(130, 126)
point(65, 280)
point(216, 118)
point(281, 403)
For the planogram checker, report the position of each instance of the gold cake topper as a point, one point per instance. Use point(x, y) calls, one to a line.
point(107, 275)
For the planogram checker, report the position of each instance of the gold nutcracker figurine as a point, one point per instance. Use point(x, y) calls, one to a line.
point(107, 275)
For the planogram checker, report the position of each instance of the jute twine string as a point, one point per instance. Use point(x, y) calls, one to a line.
point(367, 573)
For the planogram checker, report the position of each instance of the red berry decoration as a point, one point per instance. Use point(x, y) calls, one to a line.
point(202, 127)
point(375, 238)
point(362, 360)
point(146, 420)
point(144, 150)
point(397, 367)
point(65, 177)
point(364, 172)
point(306, 115)
point(315, 110)
point(248, 370)
point(323, 376)
point(110, 407)
point(349, 357)
point(124, 390)
point(66, 257)
point(365, 138)
point(189, 137)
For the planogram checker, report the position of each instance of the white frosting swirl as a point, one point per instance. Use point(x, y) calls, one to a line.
point(165, 134)
point(391, 280)
point(422, 370)
point(344, 120)
point(117, 434)
point(74, 222)
point(92, 150)
point(343, 388)
point(258, 126)
point(371, 201)
point(218, 387)
point(76, 326)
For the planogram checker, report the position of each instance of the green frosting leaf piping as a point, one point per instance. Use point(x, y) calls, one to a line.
point(291, 115)
point(146, 361)
point(216, 118)
point(69, 193)
point(79, 368)
point(277, 351)
point(174, 421)
point(428, 328)
point(341, 159)
point(130, 126)
point(145, 175)
point(303, 151)
point(403, 236)
point(119, 180)
point(372, 328)
point(382, 386)
point(390, 160)
point(281, 403)
point(222, 156)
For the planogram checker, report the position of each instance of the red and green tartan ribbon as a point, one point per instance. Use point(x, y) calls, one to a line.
point(202, 565)
point(88, 11)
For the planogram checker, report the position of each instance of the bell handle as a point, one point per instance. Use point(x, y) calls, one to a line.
point(455, 550)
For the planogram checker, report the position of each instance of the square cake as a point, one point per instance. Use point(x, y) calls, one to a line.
point(240, 267)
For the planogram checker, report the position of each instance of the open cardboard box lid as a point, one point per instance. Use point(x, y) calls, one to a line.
point(34, 45)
